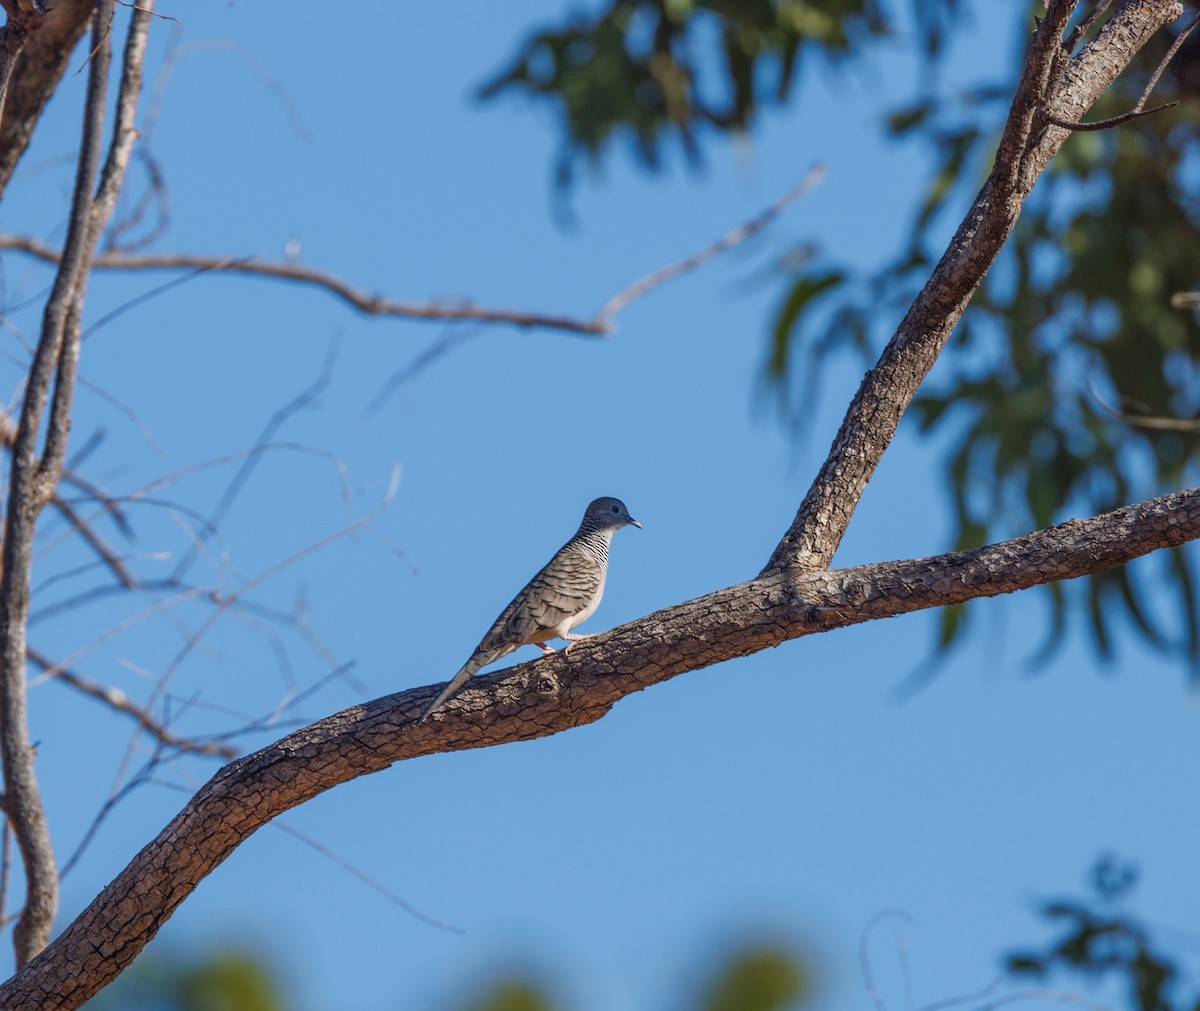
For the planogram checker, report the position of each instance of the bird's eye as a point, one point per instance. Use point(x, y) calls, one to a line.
point(616, 509)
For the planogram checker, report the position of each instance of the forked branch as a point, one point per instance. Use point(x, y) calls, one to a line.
point(553, 694)
point(1051, 83)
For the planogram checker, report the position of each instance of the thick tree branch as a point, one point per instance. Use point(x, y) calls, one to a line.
point(1050, 85)
point(23, 18)
point(36, 73)
point(553, 694)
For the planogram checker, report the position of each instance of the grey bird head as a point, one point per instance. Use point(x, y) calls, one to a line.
point(608, 514)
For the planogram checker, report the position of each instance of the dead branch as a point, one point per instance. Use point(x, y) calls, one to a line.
point(116, 699)
point(727, 241)
point(601, 324)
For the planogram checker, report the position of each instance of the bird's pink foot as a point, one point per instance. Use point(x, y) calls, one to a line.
point(573, 637)
point(546, 650)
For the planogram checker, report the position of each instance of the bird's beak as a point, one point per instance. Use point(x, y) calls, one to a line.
point(635, 523)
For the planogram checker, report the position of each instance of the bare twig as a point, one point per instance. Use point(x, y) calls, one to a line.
point(864, 956)
point(734, 238)
point(1108, 124)
point(152, 13)
point(369, 305)
point(365, 878)
point(941, 1005)
point(1039, 994)
point(1180, 39)
point(303, 400)
point(225, 602)
point(1145, 421)
point(599, 325)
point(116, 699)
point(1139, 110)
point(1085, 25)
point(95, 542)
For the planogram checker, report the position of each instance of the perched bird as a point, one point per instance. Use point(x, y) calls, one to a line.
point(561, 596)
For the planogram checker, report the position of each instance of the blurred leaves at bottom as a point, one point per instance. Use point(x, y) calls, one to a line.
point(765, 977)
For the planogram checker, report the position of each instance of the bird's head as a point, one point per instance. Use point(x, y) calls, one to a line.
point(608, 513)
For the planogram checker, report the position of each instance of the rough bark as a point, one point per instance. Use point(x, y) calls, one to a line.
point(1051, 84)
point(38, 67)
point(550, 695)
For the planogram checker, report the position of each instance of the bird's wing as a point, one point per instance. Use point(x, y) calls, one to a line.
point(569, 584)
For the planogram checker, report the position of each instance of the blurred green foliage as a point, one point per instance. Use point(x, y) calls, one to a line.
point(653, 71)
point(1101, 944)
point(1073, 383)
point(215, 981)
point(751, 978)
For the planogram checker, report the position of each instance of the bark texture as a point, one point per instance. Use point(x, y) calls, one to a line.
point(549, 695)
point(38, 66)
point(1053, 84)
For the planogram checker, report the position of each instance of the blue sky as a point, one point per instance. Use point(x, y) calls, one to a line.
point(786, 795)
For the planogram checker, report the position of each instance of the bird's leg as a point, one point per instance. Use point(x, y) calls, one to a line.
point(574, 637)
point(546, 650)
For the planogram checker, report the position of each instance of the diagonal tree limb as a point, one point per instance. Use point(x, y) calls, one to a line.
point(549, 695)
point(36, 72)
point(22, 19)
point(1050, 85)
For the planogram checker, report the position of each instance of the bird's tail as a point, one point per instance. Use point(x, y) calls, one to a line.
point(479, 660)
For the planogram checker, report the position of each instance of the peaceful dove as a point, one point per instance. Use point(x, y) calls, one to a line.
point(561, 596)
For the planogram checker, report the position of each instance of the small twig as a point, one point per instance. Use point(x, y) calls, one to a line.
point(1085, 25)
point(177, 51)
point(106, 808)
point(370, 305)
point(1162, 64)
point(116, 699)
point(1139, 108)
point(107, 555)
point(864, 958)
point(365, 878)
point(158, 607)
point(303, 400)
point(1039, 994)
point(147, 10)
point(223, 603)
point(452, 341)
point(1154, 423)
point(377, 305)
point(1107, 124)
point(726, 242)
point(941, 1005)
